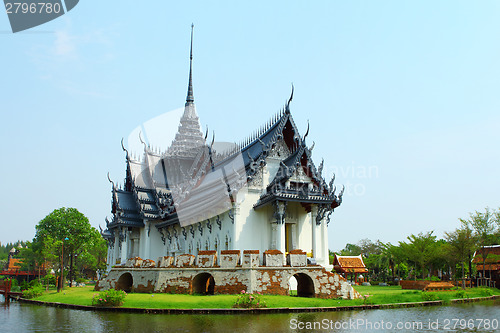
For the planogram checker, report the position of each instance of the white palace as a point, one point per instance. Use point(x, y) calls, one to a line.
point(264, 193)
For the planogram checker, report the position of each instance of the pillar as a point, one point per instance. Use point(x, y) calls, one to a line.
point(279, 214)
point(135, 247)
point(294, 236)
point(274, 236)
point(147, 243)
point(116, 249)
point(281, 237)
point(314, 214)
point(326, 254)
point(123, 256)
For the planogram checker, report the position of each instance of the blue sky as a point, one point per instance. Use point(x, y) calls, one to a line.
point(402, 99)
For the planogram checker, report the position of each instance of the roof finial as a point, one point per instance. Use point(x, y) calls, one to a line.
point(190, 97)
point(287, 106)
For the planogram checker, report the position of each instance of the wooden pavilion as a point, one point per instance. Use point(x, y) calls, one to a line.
point(349, 266)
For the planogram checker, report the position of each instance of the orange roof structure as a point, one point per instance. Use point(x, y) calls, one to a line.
point(492, 262)
point(14, 264)
point(349, 264)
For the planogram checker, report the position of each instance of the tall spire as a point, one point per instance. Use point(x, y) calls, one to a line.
point(190, 97)
point(189, 138)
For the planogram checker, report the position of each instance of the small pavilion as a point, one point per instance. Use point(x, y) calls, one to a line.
point(349, 266)
point(491, 264)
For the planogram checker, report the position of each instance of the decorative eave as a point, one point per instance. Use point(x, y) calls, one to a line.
point(291, 195)
point(173, 220)
point(125, 220)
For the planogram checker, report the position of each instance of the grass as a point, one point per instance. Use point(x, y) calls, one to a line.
point(378, 295)
point(394, 294)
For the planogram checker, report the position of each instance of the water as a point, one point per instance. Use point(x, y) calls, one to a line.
point(18, 317)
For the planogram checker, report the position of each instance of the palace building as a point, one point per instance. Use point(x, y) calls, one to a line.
point(264, 195)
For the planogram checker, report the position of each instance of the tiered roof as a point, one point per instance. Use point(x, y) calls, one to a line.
point(492, 262)
point(349, 264)
point(151, 187)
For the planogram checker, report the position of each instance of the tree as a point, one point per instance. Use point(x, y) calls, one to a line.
point(67, 228)
point(351, 250)
point(395, 257)
point(92, 259)
point(483, 225)
point(421, 249)
point(459, 246)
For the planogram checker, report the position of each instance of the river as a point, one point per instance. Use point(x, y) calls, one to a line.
point(472, 317)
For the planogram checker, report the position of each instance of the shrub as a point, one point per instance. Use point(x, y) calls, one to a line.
point(485, 291)
point(460, 294)
point(14, 283)
point(429, 296)
point(435, 279)
point(81, 280)
point(109, 298)
point(49, 279)
point(246, 300)
point(34, 283)
point(367, 300)
point(33, 292)
point(24, 285)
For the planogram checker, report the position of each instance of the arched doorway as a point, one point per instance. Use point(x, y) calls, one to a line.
point(292, 286)
point(204, 284)
point(305, 285)
point(125, 282)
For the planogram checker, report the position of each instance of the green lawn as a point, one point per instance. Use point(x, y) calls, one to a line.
point(378, 295)
point(394, 294)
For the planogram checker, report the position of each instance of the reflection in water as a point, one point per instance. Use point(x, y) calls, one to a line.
point(30, 318)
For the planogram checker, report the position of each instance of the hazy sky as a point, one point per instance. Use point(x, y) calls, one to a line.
point(402, 99)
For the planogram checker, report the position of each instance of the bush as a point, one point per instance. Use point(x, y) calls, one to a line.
point(435, 279)
point(109, 298)
point(33, 292)
point(81, 280)
point(34, 283)
point(429, 296)
point(461, 294)
point(49, 279)
point(24, 285)
point(246, 300)
point(485, 291)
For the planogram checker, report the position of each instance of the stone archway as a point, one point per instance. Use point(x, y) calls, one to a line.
point(125, 282)
point(305, 285)
point(204, 284)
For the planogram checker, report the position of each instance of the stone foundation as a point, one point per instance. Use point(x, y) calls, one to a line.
point(228, 276)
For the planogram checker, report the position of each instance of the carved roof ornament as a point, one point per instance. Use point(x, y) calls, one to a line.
point(112, 183)
point(142, 141)
point(125, 150)
point(307, 133)
point(287, 106)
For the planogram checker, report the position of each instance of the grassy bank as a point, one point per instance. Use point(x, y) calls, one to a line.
point(377, 295)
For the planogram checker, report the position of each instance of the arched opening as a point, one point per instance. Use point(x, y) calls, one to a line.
point(305, 285)
point(204, 284)
point(125, 282)
point(292, 286)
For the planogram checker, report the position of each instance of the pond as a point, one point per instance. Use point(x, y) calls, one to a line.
point(473, 317)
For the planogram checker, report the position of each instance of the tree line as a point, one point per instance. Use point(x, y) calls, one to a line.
point(65, 241)
point(421, 255)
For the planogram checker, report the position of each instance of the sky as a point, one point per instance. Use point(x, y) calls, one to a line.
point(402, 98)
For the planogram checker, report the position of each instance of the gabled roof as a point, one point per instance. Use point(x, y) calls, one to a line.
point(14, 264)
point(492, 258)
point(349, 264)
